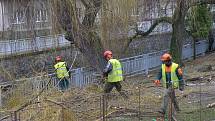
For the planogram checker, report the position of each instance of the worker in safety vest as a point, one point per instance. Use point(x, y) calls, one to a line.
point(171, 76)
point(113, 73)
point(62, 72)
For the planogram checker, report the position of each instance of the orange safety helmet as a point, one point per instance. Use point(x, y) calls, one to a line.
point(166, 57)
point(58, 58)
point(107, 52)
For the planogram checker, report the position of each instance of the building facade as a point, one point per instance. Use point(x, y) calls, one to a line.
point(23, 17)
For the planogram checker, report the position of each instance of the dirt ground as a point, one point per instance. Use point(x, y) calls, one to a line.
point(144, 98)
point(198, 94)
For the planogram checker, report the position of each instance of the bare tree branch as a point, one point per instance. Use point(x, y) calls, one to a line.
point(141, 33)
point(89, 17)
point(56, 103)
point(167, 3)
point(85, 3)
point(156, 22)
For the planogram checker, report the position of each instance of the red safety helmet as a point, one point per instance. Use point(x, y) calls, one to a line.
point(166, 57)
point(106, 53)
point(58, 58)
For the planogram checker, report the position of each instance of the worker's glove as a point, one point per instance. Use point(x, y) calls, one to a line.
point(69, 74)
point(181, 85)
point(52, 75)
point(157, 82)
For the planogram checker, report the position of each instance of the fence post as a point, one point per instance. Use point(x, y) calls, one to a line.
point(139, 101)
point(104, 105)
point(0, 97)
point(15, 116)
point(147, 64)
point(62, 113)
point(200, 100)
point(79, 80)
point(101, 106)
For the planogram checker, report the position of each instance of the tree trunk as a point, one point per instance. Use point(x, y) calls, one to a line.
point(90, 46)
point(194, 48)
point(179, 33)
point(211, 41)
point(83, 34)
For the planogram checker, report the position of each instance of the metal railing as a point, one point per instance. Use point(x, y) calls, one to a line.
point(140, 64)
point(32, 45)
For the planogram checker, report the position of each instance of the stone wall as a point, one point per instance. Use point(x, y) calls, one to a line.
point(152, 43)
point(34, 64)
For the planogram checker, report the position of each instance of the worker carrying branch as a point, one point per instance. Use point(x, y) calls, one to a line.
point(113, 73)
point(172, 78)
point(62, 72)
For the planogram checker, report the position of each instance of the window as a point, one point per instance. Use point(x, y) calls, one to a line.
point(213, 8)
point(79, 12)
point(41, 15)
point(135, 12)
point(18, 17)
point(45, 15)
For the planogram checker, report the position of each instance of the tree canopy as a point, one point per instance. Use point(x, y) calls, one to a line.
point(199, 21)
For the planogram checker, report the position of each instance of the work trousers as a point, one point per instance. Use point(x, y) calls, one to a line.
point(110, 85)
point(63, 84)
point(169, 93)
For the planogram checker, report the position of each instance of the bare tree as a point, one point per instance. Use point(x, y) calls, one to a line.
point(89, 42)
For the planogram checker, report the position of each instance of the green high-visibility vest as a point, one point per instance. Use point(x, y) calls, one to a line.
point(174, 77)
point(116, 74)
point(61, 70)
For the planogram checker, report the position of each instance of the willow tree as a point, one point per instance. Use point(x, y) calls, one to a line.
point(92, 37)
point(199, 23)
